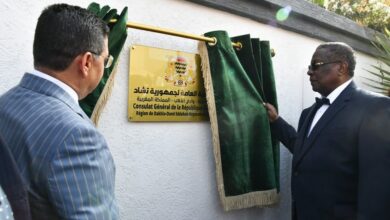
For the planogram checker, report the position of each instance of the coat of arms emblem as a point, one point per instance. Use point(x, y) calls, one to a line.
point(179, 72)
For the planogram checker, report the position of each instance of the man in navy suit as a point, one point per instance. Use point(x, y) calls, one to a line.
point(62, 157)
point(341, 151)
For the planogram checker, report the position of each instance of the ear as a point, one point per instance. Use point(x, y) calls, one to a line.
point(343, 69)
point(85, 63)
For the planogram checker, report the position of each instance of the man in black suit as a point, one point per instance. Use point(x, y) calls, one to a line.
point(13, 184)
point(341, 151)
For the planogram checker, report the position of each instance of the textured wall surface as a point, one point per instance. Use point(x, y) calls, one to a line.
point(166, 170)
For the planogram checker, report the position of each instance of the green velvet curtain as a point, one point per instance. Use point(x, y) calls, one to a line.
point(255, 57)
point(94, 102)
point(247, 160)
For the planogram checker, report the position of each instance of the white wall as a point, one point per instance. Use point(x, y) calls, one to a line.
point(166, 170)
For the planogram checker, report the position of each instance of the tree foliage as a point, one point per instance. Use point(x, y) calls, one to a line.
point(374, 14)
point(382, 71)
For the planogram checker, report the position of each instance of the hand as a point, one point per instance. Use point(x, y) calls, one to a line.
point(272, 113)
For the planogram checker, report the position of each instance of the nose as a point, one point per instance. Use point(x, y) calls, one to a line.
point(309, 72)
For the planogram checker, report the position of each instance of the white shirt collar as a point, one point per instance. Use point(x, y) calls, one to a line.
point(59, 83)
point(335, 93)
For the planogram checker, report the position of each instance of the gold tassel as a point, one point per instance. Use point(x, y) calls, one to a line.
point(258, 198)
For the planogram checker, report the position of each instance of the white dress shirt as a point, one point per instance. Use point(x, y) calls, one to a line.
point(332, 96)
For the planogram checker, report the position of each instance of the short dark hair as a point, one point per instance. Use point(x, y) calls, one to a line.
point(341, 51)
point(63, 32)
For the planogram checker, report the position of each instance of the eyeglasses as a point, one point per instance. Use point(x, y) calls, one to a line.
point(107, 60)
point(315, 66)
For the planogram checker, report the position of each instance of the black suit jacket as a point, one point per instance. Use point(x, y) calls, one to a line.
point(13, 185)
point(341, 171)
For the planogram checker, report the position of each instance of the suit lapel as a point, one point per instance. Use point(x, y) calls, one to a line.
point(303, 131)
point(305, 144)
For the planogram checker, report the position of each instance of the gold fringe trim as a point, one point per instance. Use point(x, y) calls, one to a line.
point(258, 198)
point(106, 93)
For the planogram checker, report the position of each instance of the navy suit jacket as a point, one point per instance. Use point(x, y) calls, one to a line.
point(341, 171)
point(13, 185)
point(61, 155)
